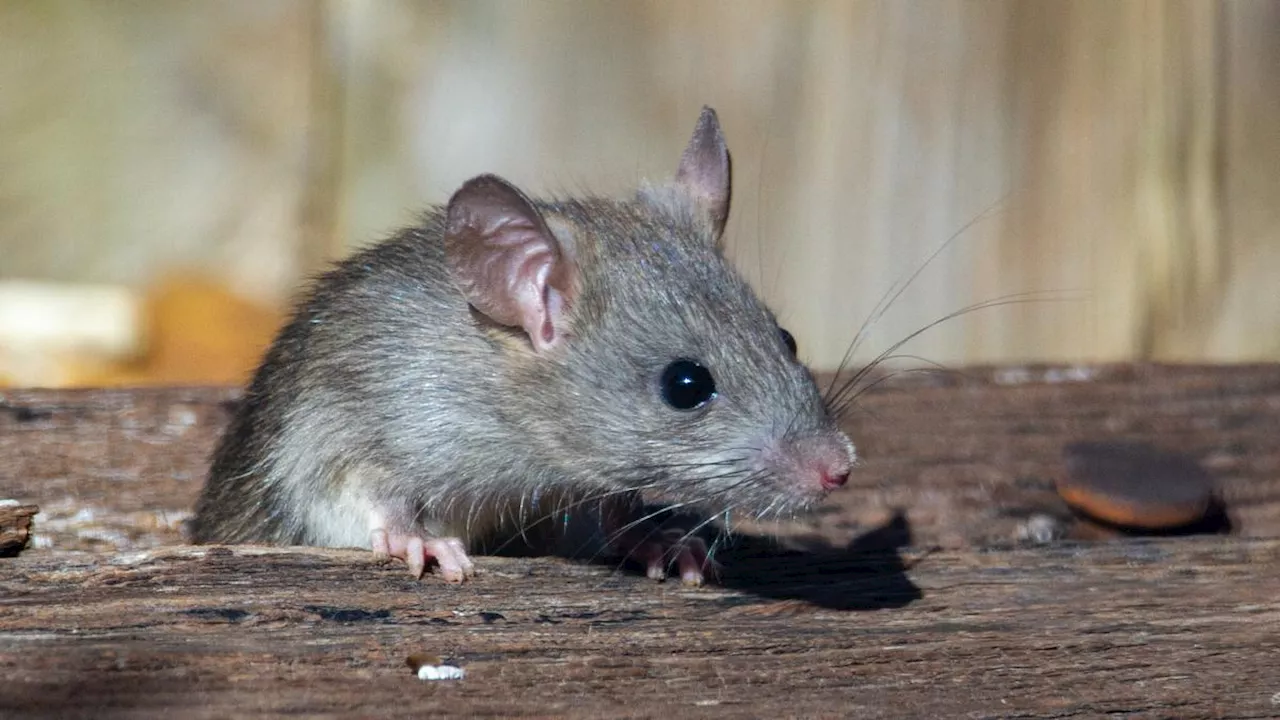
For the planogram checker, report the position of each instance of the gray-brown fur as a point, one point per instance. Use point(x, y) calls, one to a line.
point(386, 377)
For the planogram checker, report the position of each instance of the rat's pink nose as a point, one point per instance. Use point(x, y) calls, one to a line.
point(832, 481)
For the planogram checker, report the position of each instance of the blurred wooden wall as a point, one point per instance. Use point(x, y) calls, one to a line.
point(1118, 157)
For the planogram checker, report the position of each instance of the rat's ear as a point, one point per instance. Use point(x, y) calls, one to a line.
point(705, 169)
point(507, 262)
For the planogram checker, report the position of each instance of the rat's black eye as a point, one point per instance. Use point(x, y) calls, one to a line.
point(687, 385)
point(789, 339)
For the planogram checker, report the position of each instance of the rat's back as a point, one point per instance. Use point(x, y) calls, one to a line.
point(377, 349)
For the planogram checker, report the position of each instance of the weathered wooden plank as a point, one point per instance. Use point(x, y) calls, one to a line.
point(1185, 627)
point(110, 469)
point(967, 459)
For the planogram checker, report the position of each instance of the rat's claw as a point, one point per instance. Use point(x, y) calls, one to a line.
point(694, 561)
point(673, 548)
point(451, 556)
point(449, 553)
point(415, 556)
point(652, 554)
point(656, 569)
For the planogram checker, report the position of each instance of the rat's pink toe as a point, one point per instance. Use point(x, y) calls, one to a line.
point(694, 561)
point(451, 556)
point(673, 550)
point(449, 553)
point(415, 555)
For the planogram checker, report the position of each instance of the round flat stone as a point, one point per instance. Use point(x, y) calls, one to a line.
point(1135, 485)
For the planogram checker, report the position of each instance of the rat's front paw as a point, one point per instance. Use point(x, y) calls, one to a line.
point(673, 548)
point(449, 553)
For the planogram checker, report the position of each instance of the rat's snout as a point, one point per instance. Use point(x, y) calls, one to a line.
point(817, 463)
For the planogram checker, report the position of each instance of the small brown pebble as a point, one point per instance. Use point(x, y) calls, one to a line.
point(1135, 485)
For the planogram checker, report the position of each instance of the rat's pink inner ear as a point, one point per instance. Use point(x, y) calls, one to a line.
point(705, 172)
point(506, 261)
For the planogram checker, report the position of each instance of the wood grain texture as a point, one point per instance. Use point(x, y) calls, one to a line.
point(918, 592)
point(1182, 628)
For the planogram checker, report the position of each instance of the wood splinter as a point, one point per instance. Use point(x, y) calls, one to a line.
point(15, 526)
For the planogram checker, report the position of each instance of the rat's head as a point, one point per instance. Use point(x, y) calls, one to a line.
point(642, 358)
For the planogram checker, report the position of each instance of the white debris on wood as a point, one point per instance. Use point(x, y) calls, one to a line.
point(440, 672)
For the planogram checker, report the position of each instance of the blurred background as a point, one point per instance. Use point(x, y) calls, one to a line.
point(171, 171)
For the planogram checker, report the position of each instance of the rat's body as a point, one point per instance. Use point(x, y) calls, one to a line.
point(508, 358)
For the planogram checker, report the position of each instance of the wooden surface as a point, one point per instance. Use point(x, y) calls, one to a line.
point(1171, 628)
point(107, 610)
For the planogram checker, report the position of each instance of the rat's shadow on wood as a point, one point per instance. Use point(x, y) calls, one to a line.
point(867, 574)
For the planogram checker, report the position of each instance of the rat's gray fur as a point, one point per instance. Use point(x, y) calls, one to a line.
point(387, 393)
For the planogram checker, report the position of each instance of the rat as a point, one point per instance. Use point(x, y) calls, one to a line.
point(511, 360)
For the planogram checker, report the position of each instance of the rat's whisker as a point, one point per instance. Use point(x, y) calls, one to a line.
point(563, 510)
point(899, 287)
point(612, 538)
point(841, 406)
point(1001, 301)
point(849, 401)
